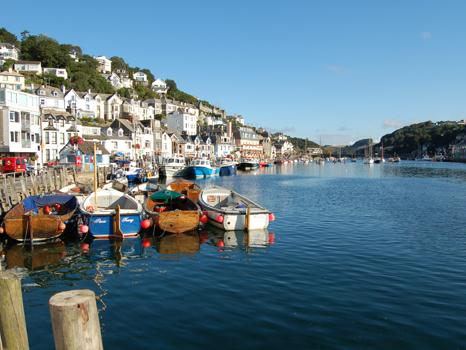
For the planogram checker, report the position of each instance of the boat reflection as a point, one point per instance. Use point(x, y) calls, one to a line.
point(34, 257)
point(241, 239)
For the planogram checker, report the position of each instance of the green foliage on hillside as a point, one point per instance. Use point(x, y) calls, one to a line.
point(46, 50)
point(179, 95)
point(7, 37)
point(411, 140)
point(301, 144)
point(83, 76)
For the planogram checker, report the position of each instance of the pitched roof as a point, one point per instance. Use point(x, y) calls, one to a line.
point(88, 148)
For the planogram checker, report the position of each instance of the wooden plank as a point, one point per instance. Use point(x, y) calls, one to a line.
point(12, 321)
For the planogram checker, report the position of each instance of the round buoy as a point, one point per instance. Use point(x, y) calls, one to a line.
point(47, 209)
point(220, 243)
point(61, 226)
point(85, 247)
point(57, 206)
point(271, 217)
point(1, 230)
point(146, 243)
point(219, 219)
point(84, 229)
point(145, 224)
point(204, 219)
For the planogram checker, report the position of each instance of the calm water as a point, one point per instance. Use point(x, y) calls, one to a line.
point(364, 257)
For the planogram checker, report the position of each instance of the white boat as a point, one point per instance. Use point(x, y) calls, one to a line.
point(229, 210)
point(110, 213)
point(172, 166)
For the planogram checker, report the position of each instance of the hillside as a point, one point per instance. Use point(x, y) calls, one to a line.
point(417, 139)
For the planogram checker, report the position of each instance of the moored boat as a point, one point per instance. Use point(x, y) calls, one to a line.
point(187, 188)
point(200, 168)
point(110, 213)
point(246, 165)
point(227, 168)
point(229, 210)
point(172, 211)
point(40, 218)
point(172, 166)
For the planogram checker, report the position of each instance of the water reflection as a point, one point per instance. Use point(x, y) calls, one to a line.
point(34, 257)
point(242, 239)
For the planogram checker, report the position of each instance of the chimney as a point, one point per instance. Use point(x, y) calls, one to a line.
point(63, 89)
point(229, 130)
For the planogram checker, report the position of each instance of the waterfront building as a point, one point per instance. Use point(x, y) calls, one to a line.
point(159, 86)
point(167, 144)
point(283, 149)
point(20, 124)
point(140, 135)
point(247, 142)
point(8, 52)
point(57, 129)
point(31, 67)
point(50, 98)
point(114, 140)
point(11, 80)
point(269, 148)
point(58, 72)
point(132, 108)
point(182, 122)
point(104, 64)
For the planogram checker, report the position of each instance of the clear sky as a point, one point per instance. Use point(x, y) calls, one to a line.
point(340, 70)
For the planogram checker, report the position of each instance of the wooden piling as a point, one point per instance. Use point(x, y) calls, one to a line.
point(75, 320)
point(13, 331)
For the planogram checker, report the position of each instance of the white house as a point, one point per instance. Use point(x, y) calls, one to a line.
point(80, 104)
point(167, 145)
point(141, 77)
point(57, 129)
point(223, 145)
point(8, 52)
point(159, 86)
point(58, 72)
point(34, 67)
point(182, 122)
point(11, 80)
point(19, 123)
point(50, 98)
point(105, 65)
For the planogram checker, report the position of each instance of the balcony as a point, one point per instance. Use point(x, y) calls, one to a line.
point(26, 144)
point(25, 125)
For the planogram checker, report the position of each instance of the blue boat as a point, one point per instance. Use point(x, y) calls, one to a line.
point(227, 169)
point(134, 174)
point(109, 213)
point(200, 168)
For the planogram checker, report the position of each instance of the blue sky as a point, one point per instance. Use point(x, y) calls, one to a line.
point(340, 70)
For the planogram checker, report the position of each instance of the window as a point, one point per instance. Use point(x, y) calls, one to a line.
point(54, 138)
point(120, 133)
point(14, 117)
point(47, 137)
point(62, 122)
point(62, 138)
point(13, 137)
point(109, 132)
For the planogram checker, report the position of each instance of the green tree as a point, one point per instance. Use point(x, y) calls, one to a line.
point(119, 63)
point(44, 49)
point(8, 37)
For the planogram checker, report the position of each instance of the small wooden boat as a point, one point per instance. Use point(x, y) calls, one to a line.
point(172, 211)
point(229, 210)
point(40, 218)
point(188, 188)
point(110, 213)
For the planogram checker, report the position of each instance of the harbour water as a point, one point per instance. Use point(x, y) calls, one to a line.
point(365, 257)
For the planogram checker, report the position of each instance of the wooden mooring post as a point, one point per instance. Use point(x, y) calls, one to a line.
point(13, 333)
point(75, 320)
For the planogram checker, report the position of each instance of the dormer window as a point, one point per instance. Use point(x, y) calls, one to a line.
point(109, 132)
point(42, 92)
point(55, 93)
point(120, 133)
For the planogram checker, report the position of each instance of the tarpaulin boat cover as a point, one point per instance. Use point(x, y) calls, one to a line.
point(35, 202)
point(165, 196)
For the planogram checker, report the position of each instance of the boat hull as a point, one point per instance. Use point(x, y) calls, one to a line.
point(200, 171)
point(227, 170)
point(178, 221)
point(170, 171)
point(102, 226)
point(247, 166)
point(232, 222)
